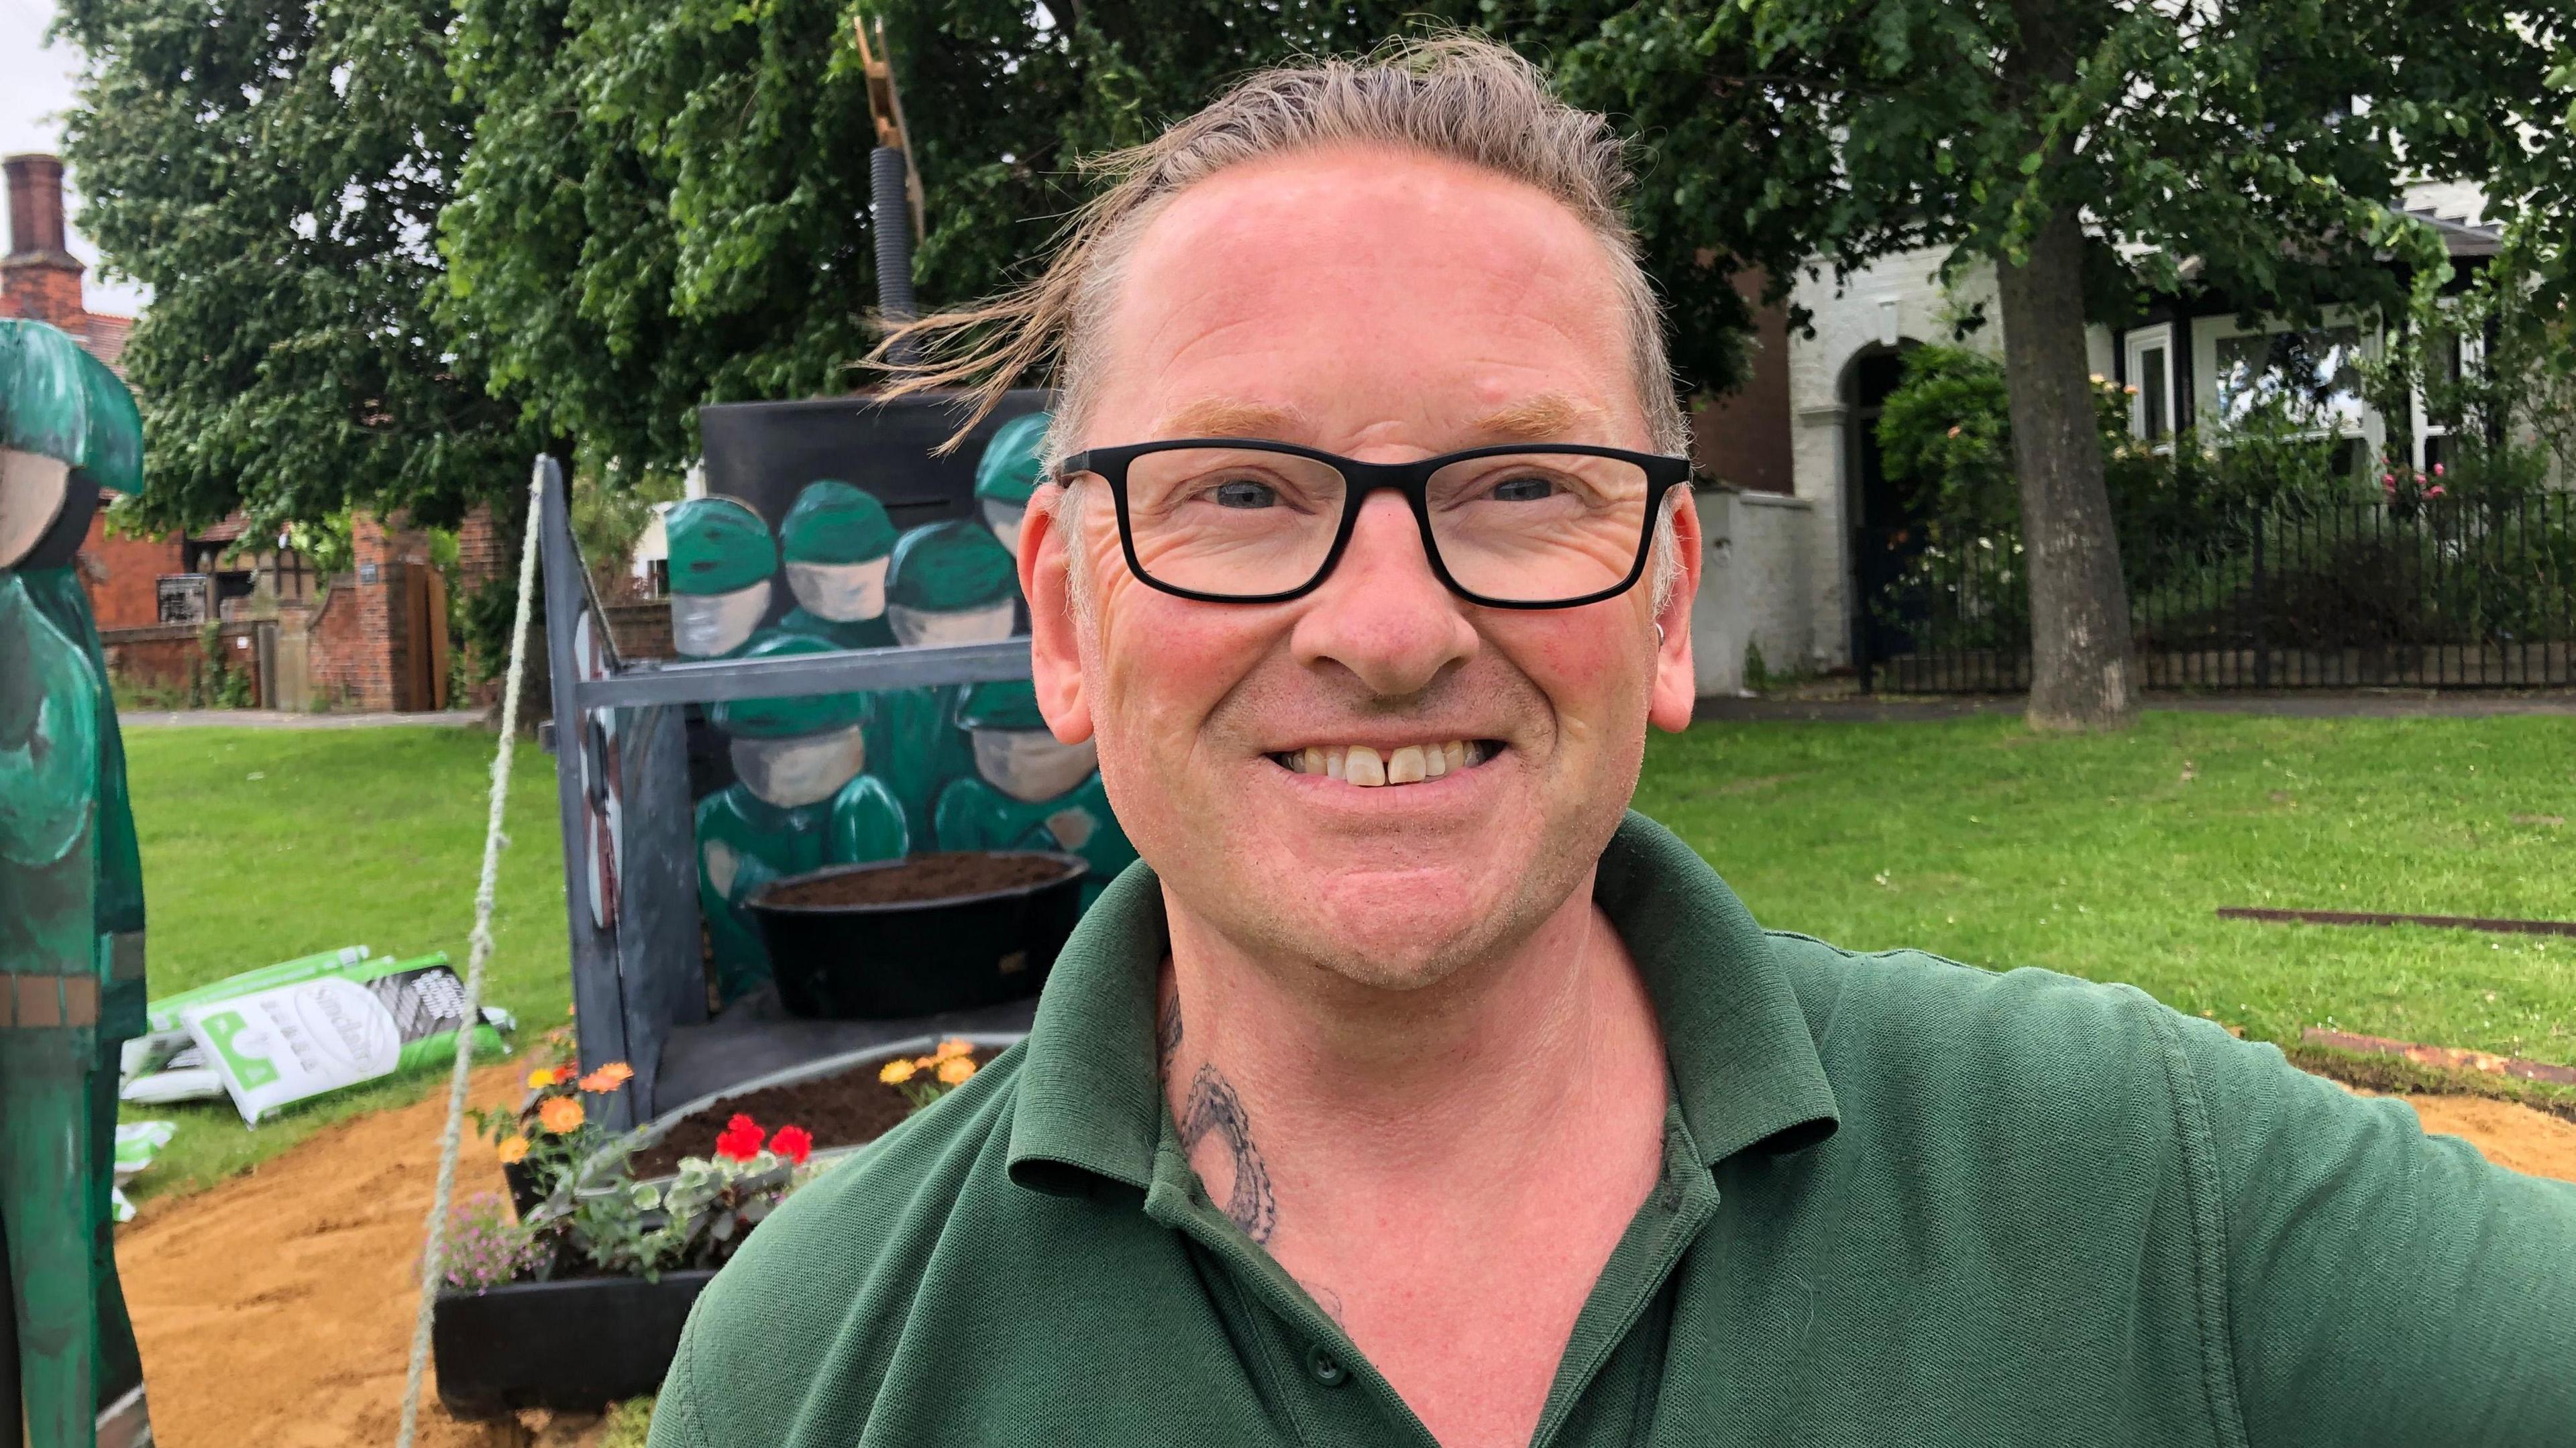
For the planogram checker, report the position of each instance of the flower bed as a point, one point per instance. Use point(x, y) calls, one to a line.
point(577, 1298)
point(850, 1108)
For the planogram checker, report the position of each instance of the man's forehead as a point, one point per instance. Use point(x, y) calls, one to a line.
point(1353, 295)
point(1545, 416)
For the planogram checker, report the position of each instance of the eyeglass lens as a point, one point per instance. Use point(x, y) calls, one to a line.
point(1518, 527)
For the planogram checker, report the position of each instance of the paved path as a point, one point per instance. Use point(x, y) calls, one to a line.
point(281, 719)
point(2301, 704)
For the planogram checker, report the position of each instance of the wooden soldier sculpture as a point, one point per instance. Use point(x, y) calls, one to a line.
point(71, 902)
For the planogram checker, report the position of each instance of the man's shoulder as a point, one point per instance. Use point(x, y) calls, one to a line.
point(1917, 1037)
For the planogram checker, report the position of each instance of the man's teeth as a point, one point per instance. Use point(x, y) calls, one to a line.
point(1411, 764)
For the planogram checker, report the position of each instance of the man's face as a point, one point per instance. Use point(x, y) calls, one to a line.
point(1386, 307)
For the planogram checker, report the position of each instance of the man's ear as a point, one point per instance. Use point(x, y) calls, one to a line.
point(1049, 534)
point(1676, 687)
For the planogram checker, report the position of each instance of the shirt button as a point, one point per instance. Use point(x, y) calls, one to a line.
point(1327, 1368)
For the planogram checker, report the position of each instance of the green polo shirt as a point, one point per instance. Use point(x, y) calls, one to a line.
point(1903, 1202)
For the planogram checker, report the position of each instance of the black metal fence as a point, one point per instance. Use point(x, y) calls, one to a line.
point(2427, 592)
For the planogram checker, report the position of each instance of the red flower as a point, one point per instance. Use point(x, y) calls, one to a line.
point(794, 1143)
point(740, 1140)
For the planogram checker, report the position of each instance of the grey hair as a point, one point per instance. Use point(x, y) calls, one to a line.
point(1453, 96)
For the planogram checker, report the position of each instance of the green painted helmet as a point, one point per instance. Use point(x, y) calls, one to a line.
point(834, 522)
point(1008, 471)
point(1001, 704)
point(950, 567)
point(717, 545)
point(58, 401)
point(785, 718)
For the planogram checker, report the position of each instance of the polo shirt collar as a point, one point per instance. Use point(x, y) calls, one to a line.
point(1743, 1058)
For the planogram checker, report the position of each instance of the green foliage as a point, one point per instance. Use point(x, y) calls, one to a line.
point(1798, 127)
point(217, 684)
point(666, 206)
point(1947, 430)
point(274, 172)
point(325, 543)
point(2476, 551)
point(629, 1424)
point(486, 1248)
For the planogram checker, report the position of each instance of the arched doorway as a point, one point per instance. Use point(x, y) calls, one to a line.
point(1886, 529)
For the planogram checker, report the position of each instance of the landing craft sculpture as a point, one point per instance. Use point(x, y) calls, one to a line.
point(71, 899)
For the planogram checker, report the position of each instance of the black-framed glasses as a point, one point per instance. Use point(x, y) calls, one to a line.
point(1242, 520)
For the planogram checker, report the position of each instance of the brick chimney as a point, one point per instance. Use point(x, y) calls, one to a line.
point(39, 278)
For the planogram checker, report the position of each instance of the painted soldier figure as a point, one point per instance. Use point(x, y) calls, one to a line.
point(950, 583)
point(722, 560)
point(800, 800)
point(71, 899)
point(1029, 791)
point(1008, 474)
point(837, 541)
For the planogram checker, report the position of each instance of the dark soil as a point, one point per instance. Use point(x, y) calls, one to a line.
point(845, 1110)
point(942, 876)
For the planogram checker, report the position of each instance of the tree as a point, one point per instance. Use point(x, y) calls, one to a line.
point(667, 206)
point(2263, 142)
point(272, 171)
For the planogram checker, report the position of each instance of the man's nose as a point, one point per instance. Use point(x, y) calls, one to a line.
point(1383, 614)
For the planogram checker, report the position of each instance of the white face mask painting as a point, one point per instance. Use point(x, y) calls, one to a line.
point(705, 625)
point(33, 488)
point(841, 592)
point(915, 627)
point(1004, 519)
point(1029, 765)
point(802, 769)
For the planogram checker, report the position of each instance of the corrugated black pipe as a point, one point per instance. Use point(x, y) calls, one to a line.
point(892, 210)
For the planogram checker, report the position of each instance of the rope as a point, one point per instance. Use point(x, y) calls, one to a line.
point(433, 1260)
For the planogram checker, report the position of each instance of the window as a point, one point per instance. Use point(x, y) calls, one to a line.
point(2309, 374)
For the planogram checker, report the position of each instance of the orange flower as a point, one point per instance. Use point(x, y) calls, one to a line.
point(896, 1072)
point(564, 1073)
point(953, 1047)
point(955, 1070)
point(560, 1114)
point(514, 1149)
point(607, 1078)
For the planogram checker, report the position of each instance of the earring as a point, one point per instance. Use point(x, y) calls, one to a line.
point(1659, 636)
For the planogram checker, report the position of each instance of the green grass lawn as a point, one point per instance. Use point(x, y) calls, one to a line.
point(2105, 857)
point(2102, 857)
point(264, 844)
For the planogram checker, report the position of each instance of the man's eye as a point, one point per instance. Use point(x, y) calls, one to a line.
point(1524, 489)
point(1244, 493)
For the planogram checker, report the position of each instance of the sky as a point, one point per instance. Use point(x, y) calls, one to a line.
point(35, 89)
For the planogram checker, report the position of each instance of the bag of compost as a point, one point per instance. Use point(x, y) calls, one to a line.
point(294, 1042)
point(187, 1077)
point(161, 1017)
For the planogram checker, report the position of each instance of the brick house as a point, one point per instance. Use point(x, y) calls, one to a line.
point(374, 638)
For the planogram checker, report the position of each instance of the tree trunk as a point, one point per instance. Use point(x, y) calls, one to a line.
point(2079, 610)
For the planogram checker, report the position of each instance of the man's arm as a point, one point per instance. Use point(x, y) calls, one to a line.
point(2384, 1287)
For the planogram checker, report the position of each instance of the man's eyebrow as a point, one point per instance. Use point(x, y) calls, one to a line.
point(1544, 417)
point(1233, 417)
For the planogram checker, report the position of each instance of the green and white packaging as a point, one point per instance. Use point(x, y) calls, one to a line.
point(185, 1078)
point(291, 1043)
point(163, 1037)
point(137, 1142)
point(161, 1017)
